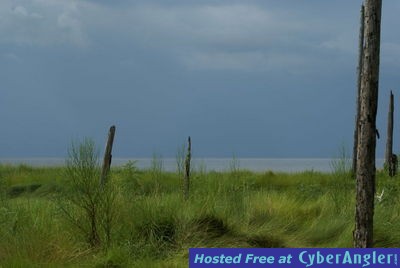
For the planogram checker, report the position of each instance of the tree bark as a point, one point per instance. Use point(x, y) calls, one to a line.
point(365, 185)
point(389, 142)
point(359, 71)
point(107, 156)
point(187, 170)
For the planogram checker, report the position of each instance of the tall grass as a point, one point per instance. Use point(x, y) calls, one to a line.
point(341, 165)
point(155, 228)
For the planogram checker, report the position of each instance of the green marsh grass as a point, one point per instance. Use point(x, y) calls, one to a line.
point(154, 227)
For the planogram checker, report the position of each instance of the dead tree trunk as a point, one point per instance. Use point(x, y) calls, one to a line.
point(359, 71)
point(107, 156)
point(389, 142)
point(365, 189)
point(187, 170)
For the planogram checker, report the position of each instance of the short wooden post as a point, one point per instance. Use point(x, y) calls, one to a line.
point(389, 142)
point(393, 166)
point(187, 170)
point(107, 156)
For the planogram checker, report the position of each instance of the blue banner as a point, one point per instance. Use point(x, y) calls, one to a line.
point(293, 257)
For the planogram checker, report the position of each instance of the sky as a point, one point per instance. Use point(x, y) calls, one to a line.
point(255, 78)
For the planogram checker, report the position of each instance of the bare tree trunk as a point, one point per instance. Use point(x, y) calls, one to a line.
point(107, 156)
point(359, 71)
point(365, 189)
point(389, 142)
point(187, 170)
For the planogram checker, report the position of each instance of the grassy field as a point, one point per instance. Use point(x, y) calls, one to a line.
point(154, 226)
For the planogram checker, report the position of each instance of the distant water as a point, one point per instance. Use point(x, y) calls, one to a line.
point(209, 164)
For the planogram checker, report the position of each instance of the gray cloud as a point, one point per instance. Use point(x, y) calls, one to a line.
point(391, 53)
point(240, 76)
point(226, 36)
point(41, 22)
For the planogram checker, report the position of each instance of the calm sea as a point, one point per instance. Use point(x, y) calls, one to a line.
point(209, 164)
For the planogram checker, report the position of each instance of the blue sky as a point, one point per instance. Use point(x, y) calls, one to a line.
point(251, 78)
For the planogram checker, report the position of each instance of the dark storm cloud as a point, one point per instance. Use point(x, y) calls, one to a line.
point(255, 78)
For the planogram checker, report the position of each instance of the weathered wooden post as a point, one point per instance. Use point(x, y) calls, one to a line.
point(365, 185)
point(393, 165)
point(359, 72)
point(187, 170)
point(107, 156)
point(389, 142)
